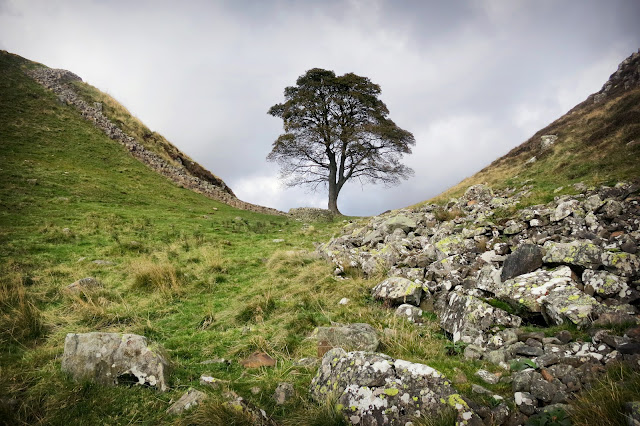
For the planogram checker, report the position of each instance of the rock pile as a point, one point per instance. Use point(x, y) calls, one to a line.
point(486, 270)
point(60, 82)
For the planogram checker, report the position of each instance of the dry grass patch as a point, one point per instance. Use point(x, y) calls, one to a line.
point(20, 319)
point(162, 277)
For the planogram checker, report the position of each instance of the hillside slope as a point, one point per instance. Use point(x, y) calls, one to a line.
point(118, 123)
point(596, 142)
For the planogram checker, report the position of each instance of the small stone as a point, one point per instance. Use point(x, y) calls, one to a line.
point(410, 312)
point(546, 375)
point(189, 400)
point(343, 301)
point(255, 390)
point(481, 390)
point(210, 381)
point(216, 361)
point(530, 351)
point(488, 377)
point(564, 336)
point(525, 402)
point(284, 392)
point(257, 360)
point(88, 283)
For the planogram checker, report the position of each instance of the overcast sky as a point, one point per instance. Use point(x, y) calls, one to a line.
point(470, 79)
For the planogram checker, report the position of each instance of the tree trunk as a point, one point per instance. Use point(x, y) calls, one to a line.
point(333, 192)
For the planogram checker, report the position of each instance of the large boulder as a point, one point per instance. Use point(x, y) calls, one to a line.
point(583, 253)
point(602, 283)
point(398, 290)
point(351, 337)
point(527, 258)
point(375, 389)
point(621, 263)
point(112, 358)
point(399, 221)
point(467, 318)
point(567, 303)
point(529, 290)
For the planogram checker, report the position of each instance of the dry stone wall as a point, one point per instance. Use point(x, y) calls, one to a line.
point(59, 80)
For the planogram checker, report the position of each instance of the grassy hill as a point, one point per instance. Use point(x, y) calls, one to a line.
point(196, 276)
point(598, 143)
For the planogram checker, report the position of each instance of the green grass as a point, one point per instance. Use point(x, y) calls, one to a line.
point(196, 276)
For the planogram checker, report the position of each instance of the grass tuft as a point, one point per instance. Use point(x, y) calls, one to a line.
point(157, 277)
point(603, 403)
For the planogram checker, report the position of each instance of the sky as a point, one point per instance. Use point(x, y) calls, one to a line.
point(469, 79)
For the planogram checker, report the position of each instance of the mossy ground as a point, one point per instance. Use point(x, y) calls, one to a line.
point(196, 276)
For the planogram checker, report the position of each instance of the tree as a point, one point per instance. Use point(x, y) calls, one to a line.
point(336, 129)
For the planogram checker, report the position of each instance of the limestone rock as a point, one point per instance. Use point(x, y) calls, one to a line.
point(398, 290)
point(187, 401)
point(526, 258)
point(350, 337)
point(110, 358)
point(375, 389)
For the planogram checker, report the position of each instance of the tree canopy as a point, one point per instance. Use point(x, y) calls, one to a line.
point(336, 129)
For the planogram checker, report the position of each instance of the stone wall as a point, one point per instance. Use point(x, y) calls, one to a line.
point(59, 80)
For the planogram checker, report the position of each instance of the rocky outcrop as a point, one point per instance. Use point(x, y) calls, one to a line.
point(572, 261)
point(113, 358)
point(184, 172)
point(626, 77)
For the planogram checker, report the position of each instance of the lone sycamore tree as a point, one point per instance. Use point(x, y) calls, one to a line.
point(336, 129)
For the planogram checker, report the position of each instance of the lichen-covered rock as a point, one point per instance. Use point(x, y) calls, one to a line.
point(375, 389)
point(526, 258)
point(398, 290)
point(467, 318)
point(567, 303)
point(455, 244)
point(582, 253)
point(401, 221)
point(410, 312)
point(110, 358)
point(602, 283)
point(564, 209)
point(351, 337)
point(529, 290)
point(622, 263)
point(480, 193)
